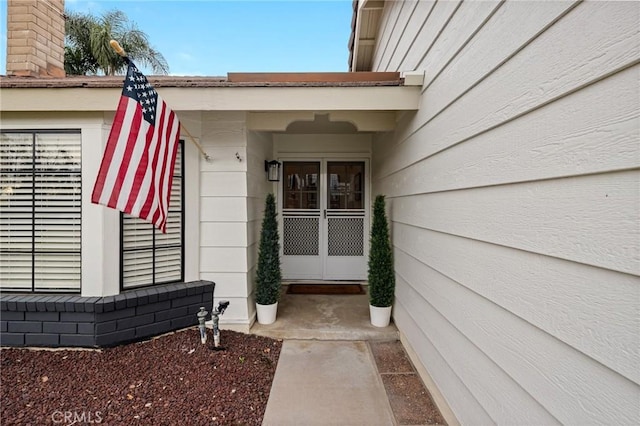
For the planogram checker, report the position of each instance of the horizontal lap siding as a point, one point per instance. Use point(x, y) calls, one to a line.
point(587, 308)
point(387, 26)
point(514, 197)
point(556, 140)
point(452, 384)
point(415, 24)
point(560, 218)
point(457, 349)
point(505, 360)
point(404, 12)
point(523, 84)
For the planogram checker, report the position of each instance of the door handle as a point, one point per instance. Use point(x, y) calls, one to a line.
point(325, 213)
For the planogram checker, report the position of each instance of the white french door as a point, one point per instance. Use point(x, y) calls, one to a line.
point(325, 219)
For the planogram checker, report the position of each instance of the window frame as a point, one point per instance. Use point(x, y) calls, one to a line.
point(32, 174)
point(122, 286)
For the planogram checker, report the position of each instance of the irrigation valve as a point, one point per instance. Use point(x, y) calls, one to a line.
point(202, 317)
point(222, 306)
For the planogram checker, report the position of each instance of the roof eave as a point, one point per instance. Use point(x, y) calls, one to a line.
point(229, 98)
point(364, 33)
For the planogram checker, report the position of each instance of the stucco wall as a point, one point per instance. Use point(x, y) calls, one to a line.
point(100, 226)
point(514, 200)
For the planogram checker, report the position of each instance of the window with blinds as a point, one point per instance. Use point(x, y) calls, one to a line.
point(148, 256)
point(40, 211)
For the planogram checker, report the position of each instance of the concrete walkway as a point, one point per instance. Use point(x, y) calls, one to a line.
point(327, 383)
point(335, 368)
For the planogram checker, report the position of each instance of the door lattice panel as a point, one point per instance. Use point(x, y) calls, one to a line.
point(346, 236)
point(300, 236)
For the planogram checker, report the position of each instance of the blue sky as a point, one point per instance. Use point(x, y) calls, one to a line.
point(213, 37)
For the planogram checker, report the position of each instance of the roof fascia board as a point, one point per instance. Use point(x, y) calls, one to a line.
point(356, 37)
point(312, 77)
point(377, 98)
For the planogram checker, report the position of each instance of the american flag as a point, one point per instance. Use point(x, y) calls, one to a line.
point(137, 168)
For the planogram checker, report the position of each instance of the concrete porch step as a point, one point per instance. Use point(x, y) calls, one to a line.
point(324, 317)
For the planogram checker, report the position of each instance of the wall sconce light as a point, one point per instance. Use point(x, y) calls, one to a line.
point(273, 170)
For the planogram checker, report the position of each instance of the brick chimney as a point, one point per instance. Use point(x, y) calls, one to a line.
point(35, 38)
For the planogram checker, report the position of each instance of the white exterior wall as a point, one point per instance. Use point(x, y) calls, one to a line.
point(100, 243)
point(514, 199)
point(224, 201)
point(224, 257)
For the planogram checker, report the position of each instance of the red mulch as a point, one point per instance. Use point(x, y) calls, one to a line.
point(171, 380)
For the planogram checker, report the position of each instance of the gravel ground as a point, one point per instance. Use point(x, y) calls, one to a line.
point(170, 380)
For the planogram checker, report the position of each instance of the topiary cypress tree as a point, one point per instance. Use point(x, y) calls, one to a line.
point(382, 281)
point(269, 275)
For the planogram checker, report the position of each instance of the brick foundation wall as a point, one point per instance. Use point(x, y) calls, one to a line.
point(75, 321)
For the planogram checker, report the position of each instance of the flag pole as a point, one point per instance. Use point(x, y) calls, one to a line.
point(120, 51)
point(204, 154)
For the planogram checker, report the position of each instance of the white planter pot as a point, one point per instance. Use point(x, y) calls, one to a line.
point(267, 313)
point(380, 317)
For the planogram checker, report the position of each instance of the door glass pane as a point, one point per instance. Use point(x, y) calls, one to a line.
point(301, 185)
point(345, 185)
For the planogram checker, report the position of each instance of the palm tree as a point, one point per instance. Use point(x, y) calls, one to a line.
point(87, 49)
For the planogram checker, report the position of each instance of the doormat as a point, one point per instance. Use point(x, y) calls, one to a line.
point(325, 289)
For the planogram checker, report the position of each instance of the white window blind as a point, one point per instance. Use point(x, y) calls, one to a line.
point(40, 211)
point(149, 256)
